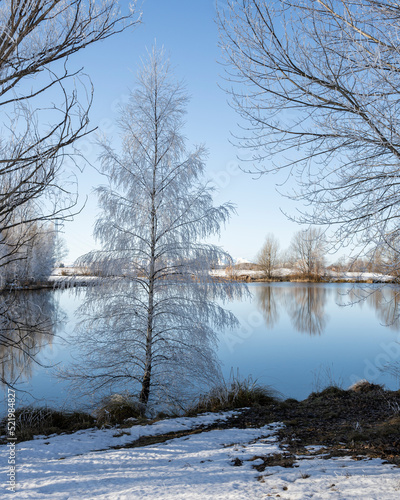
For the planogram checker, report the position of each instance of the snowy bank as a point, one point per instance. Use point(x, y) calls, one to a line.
point(288, 274)
point(210, 464)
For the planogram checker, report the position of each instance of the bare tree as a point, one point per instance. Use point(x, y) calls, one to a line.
point(152, 323)
point(385, 258)
point(36, 39)
point(317, 84)
point(267, 258)
point(308, 249)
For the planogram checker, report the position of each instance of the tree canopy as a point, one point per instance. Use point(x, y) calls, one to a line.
point(317, 85)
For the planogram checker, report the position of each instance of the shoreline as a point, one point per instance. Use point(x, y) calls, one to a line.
point(58, 282)
point(364, 418)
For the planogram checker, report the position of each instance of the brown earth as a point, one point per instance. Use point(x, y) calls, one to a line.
point(362, 422)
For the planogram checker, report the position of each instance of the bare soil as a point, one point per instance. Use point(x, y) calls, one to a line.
point(363, 422)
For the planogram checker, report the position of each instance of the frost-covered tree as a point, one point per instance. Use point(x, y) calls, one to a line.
point(27, 250)
point(60, 249)
point(150, 326)
point(28, 253)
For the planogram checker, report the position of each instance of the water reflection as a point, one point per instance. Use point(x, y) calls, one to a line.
point(267, 298)
point(386, 303)
point(306, 304)
point(306, 308)
point(27, 322)
point(113, 344)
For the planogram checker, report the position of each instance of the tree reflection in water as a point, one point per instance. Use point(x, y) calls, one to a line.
point(306, 308)
point(305, 305)
point(267, 299)
point(27, 324)
point(383, 299)
point(386, 302)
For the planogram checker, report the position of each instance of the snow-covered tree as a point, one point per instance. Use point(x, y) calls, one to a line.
point(151, 327)
point(27, 253)
point(60, 250)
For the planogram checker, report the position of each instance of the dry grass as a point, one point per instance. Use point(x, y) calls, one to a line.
point(32, 421)
point(116, 409)
point(236, 394)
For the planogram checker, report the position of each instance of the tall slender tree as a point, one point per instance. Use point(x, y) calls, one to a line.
point(267, 257)
point(153, 321)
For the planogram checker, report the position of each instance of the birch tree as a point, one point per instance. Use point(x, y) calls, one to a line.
point(31, 261)
point(150, 328)
point(316, 83)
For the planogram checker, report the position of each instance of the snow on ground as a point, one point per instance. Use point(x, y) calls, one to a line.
point(286, 272)
point(65, 445)
point(354, 276)
point(197, 466)
point(72, 275)
point(223, 273)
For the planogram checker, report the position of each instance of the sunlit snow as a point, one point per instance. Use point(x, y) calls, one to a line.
point(196, 466)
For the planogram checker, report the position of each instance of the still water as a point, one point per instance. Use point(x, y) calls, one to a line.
point(294, 337)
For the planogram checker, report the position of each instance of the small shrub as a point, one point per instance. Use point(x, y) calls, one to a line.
point(115, 409)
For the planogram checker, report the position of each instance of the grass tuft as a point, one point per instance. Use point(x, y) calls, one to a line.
point(236, 394)
point(31, 421)
point(116, 409)
point(364, 386)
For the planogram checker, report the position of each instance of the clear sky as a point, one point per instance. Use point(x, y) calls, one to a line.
point(188, 32)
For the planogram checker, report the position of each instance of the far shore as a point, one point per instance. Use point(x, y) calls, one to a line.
point(291, 275)
point(71, 277)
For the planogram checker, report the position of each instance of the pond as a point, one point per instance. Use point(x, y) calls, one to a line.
point(295, 337)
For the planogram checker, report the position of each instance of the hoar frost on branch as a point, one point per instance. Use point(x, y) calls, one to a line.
point(150, 327)
point(317, 84)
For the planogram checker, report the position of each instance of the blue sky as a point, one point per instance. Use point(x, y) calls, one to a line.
point(188, 32)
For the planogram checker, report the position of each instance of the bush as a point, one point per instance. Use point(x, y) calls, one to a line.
point(115, 409)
